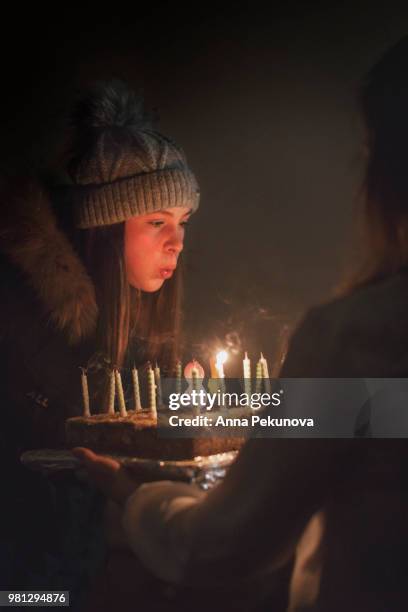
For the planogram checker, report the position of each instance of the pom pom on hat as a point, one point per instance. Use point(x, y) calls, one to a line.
point(107, 105)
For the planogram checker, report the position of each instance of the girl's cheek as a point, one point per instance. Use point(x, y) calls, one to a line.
point(153, 241)
point(142, 242)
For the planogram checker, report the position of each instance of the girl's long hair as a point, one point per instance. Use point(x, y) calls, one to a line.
point(133, 326)
point(383, 219)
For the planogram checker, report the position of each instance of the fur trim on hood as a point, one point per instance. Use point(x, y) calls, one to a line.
point(30, 238)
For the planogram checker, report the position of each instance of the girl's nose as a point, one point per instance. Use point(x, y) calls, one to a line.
point(174, 243)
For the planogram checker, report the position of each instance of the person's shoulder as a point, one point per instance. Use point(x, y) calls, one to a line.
point(46, 266)
point(369, 308)
point(355, 334)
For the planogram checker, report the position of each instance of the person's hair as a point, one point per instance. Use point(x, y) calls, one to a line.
point(384, 195)
point(130, 320)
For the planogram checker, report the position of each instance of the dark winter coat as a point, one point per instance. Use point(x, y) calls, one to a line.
point(48, 318)
point(339, 505)
point(48, 314)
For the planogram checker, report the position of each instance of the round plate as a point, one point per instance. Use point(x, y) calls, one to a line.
point(203, 471)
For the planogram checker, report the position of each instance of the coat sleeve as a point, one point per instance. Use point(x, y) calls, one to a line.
point(39, 371)
point(253, 519)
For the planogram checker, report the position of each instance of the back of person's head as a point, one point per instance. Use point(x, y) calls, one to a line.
point(384, 104)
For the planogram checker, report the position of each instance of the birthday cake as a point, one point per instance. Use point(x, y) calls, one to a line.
point(140, 434)
point(148, 433)
point(145, 433)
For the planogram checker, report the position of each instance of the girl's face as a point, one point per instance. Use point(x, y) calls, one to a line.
point(153, 243)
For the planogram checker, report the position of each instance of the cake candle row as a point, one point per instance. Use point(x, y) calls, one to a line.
point(193, 371)
point(116, 389)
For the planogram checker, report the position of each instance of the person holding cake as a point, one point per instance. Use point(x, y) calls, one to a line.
point(91, 277)
point(338, 505)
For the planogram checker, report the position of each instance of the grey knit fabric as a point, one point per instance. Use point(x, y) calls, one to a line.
point(107, 203)
point(122, 167)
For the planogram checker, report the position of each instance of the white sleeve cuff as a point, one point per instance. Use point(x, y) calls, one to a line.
point(158, 526)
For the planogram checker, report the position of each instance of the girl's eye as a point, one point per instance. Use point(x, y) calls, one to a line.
point(184, 223)
point(156, 223)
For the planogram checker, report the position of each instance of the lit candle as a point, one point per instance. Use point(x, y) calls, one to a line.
point(136, 390)
point(158, 384)
point(265, 373)
point(194, 374)
point(121, 397)
point(213, 369)
point(178, 377)
point(247, 374)
point(152, 392)
point(216, 381)
point(258, 382)
point(264, 363)
point(222, 357)
point(85, 393)
point(111, 408)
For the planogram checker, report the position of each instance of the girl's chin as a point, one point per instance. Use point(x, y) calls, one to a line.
point(149, 286)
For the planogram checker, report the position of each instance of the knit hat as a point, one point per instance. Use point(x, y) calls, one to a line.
point(120, 166)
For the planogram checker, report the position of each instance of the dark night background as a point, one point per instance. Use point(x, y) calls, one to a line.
point(264, 106)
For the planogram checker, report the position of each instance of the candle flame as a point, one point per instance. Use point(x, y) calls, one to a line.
point(221, 358)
